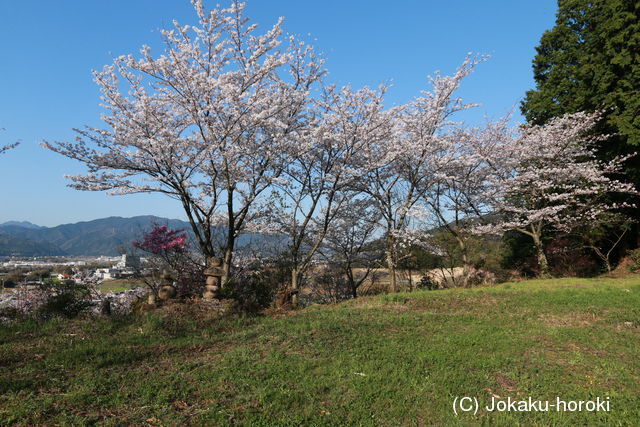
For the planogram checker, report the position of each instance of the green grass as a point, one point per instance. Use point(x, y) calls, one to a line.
point(387, 360)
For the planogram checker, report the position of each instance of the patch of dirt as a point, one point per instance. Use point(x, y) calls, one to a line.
point(398, 306)
point(196, 309)
point(570, 319)
point(363, 302)
point(622, 269)
point(485, 300)
point(627, 326)
point(573, 285)
point(574, 359)
point(280, 313)
point(505, 383)
point(447, 306)
point(459, 304)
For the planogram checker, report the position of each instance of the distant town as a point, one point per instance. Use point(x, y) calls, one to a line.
point(16, 271)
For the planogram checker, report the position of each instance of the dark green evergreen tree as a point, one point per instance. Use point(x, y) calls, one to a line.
point(590, 60)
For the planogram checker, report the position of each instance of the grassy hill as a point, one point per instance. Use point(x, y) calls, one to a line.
point(387, 360)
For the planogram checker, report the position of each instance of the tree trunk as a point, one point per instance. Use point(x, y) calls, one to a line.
point(391, 265)
point(295, 284)
point(466, 264)
point(351, 279)
point(542, 257)
point(226, 266)
point(393, 279)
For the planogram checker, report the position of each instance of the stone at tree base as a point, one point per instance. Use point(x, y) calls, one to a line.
point(168, 289)
point(210, 292)
point(284, 297)
point(214, 273)
point(167, 292)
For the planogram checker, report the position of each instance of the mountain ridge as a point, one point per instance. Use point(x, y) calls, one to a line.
point(102, 236)
point(25, 224)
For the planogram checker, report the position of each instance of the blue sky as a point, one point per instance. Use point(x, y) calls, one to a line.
point(48, 50)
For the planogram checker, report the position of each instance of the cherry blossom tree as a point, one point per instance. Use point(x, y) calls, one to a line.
point(350, 244)
point(209, 122)
point(316, 184)
point(460, 194)
point(399, 169)
point(548, 178)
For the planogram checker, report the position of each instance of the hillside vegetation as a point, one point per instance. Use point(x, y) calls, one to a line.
point(385, 360)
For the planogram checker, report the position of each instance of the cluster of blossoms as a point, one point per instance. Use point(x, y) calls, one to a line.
point(26, 301)
point(169, 250)
point(29, 302)
point(121, 303)
point(161, 240)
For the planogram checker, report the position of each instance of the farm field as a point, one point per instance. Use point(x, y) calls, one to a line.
point(119, 285)
point(383, 360)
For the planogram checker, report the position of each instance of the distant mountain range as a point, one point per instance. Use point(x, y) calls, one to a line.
point(91, 238)
point(24, 224)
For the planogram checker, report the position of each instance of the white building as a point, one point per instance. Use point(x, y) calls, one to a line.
point(128, 262)
point(107, 273)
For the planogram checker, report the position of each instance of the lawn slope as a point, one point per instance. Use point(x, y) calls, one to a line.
point(387, 360)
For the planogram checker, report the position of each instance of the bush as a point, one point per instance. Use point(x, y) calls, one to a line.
point(481, 277)
point(427, 283)
point(634, 257)
point(65, 299)
point(330, 287)
point(567, 258)
point(252, 291)
point(8, 313)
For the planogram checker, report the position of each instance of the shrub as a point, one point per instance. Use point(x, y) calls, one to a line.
point(567, 257)
point(65, 299)
point(427, 283)
point(481, 277)
point(634, 257)
point(330, 287)
point(9, 313)
point(253, 291)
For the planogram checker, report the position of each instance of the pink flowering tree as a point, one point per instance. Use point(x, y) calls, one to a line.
point(548, 178)
point(163, 241)
point(169, 250)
